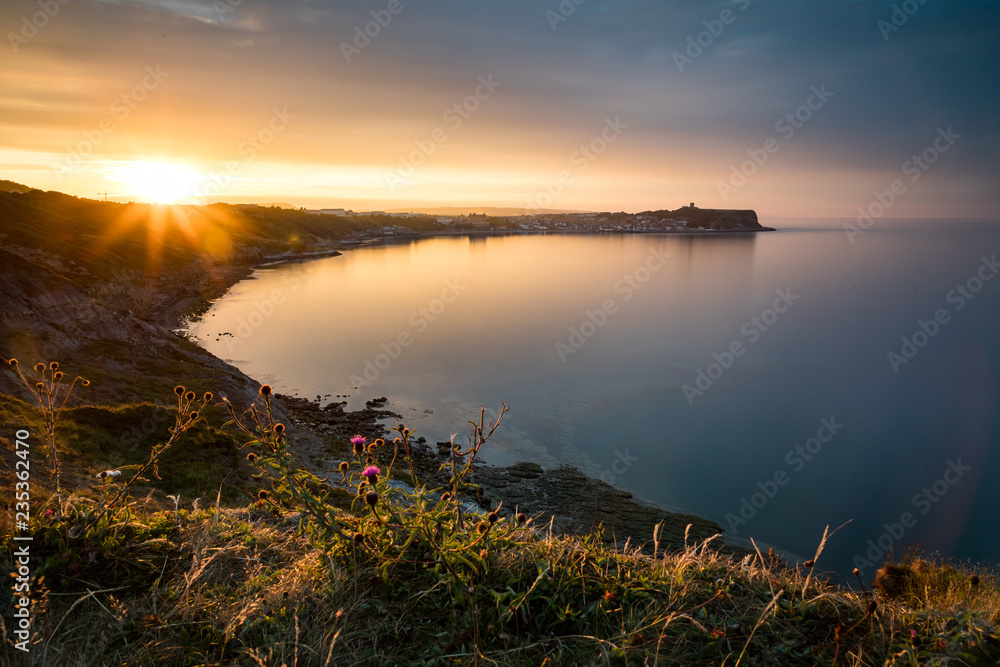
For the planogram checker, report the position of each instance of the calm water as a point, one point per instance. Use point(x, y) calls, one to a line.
point(809, 413)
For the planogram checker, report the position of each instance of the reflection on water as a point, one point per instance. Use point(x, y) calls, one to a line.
point(596, 341)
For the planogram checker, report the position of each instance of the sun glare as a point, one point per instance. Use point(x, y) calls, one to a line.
point(160, 182)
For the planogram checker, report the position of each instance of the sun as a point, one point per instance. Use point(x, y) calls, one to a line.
point(160, 182)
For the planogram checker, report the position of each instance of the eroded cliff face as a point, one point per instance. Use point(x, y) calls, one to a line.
point(721, 219)
point(737, 220)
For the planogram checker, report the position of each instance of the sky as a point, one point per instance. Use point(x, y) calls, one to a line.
point(801, 108)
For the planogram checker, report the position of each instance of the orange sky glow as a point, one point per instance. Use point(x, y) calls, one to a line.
point(172, 101)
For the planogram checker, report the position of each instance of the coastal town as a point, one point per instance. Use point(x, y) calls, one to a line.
point(688, 219)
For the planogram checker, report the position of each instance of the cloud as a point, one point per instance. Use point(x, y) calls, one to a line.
point(229, 69)
point(227, 13)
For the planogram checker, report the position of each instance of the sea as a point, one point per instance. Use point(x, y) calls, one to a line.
point(818, 378)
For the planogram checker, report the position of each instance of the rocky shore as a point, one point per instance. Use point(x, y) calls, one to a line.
point(562, 498)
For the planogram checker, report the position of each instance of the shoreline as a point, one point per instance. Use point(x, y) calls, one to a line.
point(574, 502)
point(550, 232)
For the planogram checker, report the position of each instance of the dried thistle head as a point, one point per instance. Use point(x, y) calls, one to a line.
point(190, 396)
point(265, 390)
point(54, 365)
point(13, 363)
point(179, 390)
point(208, 396)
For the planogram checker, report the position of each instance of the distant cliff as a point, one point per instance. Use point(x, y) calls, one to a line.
point(714, 219)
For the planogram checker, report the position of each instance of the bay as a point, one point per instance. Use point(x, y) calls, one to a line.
point(747, 378)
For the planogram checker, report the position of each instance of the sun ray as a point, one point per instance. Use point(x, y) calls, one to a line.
point(175, 234)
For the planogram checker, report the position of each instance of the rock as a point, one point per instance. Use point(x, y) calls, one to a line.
point(894, 581)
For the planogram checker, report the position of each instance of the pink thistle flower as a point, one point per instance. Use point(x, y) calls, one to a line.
point(371, 472)
point(358, 440)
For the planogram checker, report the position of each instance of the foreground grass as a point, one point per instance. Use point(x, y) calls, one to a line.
point(375, 573)
point(239, 586)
